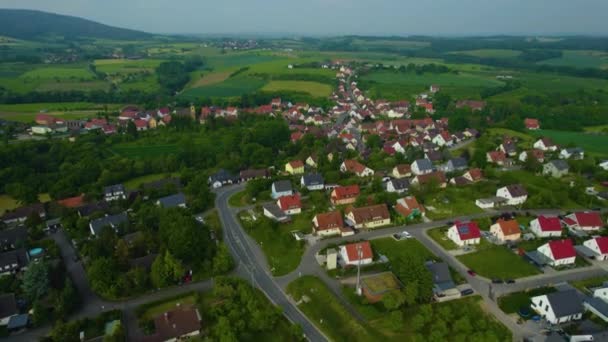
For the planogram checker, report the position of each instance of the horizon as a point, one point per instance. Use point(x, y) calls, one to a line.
point(474, 18)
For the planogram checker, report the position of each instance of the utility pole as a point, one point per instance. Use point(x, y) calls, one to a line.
point(359, 255)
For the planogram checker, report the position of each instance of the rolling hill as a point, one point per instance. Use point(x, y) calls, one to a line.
point(32, 25)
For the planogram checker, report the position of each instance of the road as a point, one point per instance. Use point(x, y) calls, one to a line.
point(251, 260)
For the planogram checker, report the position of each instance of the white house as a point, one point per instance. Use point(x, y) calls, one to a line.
point(422, 167)
point(585, 221)
point(291, 205)
point(515, 194)
point(558, 252)
point(574, 153)
point(599, 246)
point(313, 182)
point(558, 307)
point(464, 233)
point(356, 253)
point(398, 185)
point(114, 192)
point(545, 227)
point(604, 165)
point(545, 144)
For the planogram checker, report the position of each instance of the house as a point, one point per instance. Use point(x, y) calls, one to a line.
point(496, 157)
point(114, 192)
point(515, 194)
point(490, 202)
point(556, 168)
point(398, 185)
point(368, 217)
point(434, 88)
point(353, 166)
point(344, 194)
point(113, 221)
point(474, 175)
point(354, 254)
point(473, 105)
point(328, 224)
point(13, 261)
point(8, 308)
point(509, 148)
point(313, 182)
point(434, 156)
point(443, 285)
point(506, 230)
point(599, 246)
point(281, 188)
point(437, 177)
point(221, 178)
point(604, 165)
point(538, 155)
point(545, 144)
point(290, 205)
point(575, 153)
point(558, 307)
point(12, 238)
point(295, 167)
point(22, 213)
point(250, 174)
point(532, 124)
point(312, 161)
point(91, 208)
point(53, 224)
point(586, 221)
point(558, 252)
point(455, 164)
point(402, 170)
point(544, 226)
point(273, 212)
point(72, 202)
point(464, 233)
point(422, 167)
point(173, 201)
point(375, 287)
point(409, 207)
point(176, 325)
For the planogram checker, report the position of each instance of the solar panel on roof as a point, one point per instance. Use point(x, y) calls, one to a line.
point(463, 229)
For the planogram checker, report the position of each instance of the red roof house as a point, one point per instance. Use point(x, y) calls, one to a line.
point(464, 233)
point(599, 245)
point(532, 124)
point(349, 254)
point(72, 202)
point(544, 226)
point(290, 204)
point(584, 221)
point(559, 252)
point(345, 194)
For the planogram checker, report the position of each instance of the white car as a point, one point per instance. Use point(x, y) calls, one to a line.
point(406, 235)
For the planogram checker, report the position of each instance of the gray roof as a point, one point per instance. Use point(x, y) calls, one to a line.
point(172, 201)
point(400, 183)
point(313, 179)
point(222, 176)
point(275, 211)
point(113, 189)
point(434, 155)
point(598, 305)
point(424, 164)
point(18, 257)
point(565, 303)
point(517, 190)
point(439, 272)
point(13, 236)
point(457, 163)
point(111, 220)
point(8, 305)
point(559, 164)
point(573, 150)
point(282, 185)
point(53, 222)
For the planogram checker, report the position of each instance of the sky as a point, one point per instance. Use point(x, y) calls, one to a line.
point(339, 17)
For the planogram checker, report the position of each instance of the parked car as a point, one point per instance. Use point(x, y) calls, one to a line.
point(510, 281)
point(406, 235)
point(466, 292)
point(497, 281)
point(471, 273)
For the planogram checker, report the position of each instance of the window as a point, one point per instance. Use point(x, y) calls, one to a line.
point(547, 307)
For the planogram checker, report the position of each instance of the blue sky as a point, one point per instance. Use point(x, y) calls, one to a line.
point(337, 17)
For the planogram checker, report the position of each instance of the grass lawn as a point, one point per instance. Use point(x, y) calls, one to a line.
point(439, 235)
point(456, 201)
point(44, 197)
point(134, 183)
point(327, 313)
point(240, 199)
point(597, 129)
point(591, 143)
point(146, 151)
point(498, 262)
point(392, 248)
point(586, 284)
point(283, 252)
point(315, 89)
point(7, 203)
point(512, 302)
point(149, 312)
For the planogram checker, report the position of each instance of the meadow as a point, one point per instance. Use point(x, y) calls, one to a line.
point(231, 87)
point(489, 53)
point(580, 59)
point(592, 143)
point(75, 71)
point(126, 66)
point(315, 89)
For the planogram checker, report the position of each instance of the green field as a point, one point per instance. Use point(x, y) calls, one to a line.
point(592, 143)
point(387, 43)
point(393, 249)
point(125, 66)
point(238, 59)
point(7, 203)
point(493, 261)
point(393, 85)
point(70, 110)
point(72, 72)
point(313, 88)
point(580, 59)
point(280, 67)
point(597, 129)
point(327, 313)
point(490, 53)
point(134, 183)
point(148, 151)
point(232, 87)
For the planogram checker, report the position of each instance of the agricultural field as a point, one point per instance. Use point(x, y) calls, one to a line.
point(238, 59)
point(280, 67)
point(232, 87)
point(489, 53)
point(126, 66)
point(580, 59)
point(69, 111)
point(394, 86)
point(594, 144)
point(202, 78)
point(75, 71)
point(390, 44)
point(315, 89)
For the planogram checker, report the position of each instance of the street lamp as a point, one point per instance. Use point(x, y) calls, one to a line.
point(359, 255)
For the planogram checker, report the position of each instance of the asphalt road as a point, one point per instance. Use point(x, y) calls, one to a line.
point(250, 260)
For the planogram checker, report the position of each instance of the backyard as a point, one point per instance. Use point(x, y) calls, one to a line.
point(511, 303)
point(498, 262)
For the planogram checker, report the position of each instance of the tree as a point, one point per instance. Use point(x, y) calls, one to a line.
point(395, 320)
point(393, 300)
point(36, 281)
point(222, 261)
point(166, 270)
point(441, 101)
point(374, 142)
point(132, 129)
